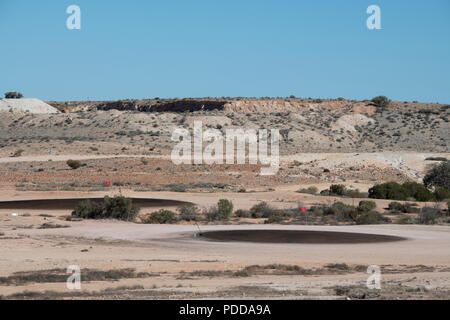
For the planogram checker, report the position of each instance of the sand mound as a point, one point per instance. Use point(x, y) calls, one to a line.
point(30, 105)
point(348, 122)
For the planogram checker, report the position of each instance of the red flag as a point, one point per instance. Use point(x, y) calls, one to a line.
point(108, 183)
point(303, 210)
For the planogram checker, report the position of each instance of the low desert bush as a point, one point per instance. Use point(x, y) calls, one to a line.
point(371, 217)
point(275, 218)
point(220, 212)
point(405, 220)
point(17, 153)
point(118, 207)
point(429, 215)
point(262, 210)
point(189, 212)
point(73, 164)
point(366, 205)
point(160, 217)
point(342, 191)
point(225, 208)
point(310, 190)
point(177, 187)
point(342, 211)
point(242, 213)
point(404, 208)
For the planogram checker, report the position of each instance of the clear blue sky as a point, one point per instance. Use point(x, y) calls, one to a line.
point(198, 48)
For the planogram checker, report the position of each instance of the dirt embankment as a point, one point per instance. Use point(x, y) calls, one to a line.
point(243, 105)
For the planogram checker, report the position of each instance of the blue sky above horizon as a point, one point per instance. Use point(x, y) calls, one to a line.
point(251, 48)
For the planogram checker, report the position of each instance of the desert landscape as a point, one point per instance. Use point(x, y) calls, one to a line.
point(311, 231)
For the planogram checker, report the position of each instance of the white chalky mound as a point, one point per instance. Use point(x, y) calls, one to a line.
point(30, 105)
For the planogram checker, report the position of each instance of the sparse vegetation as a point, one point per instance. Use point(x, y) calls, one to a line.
point(429, 215)
point(17, 153)
point(309, 190)
point(189, 212)
point(403, 208)
point(371, 217)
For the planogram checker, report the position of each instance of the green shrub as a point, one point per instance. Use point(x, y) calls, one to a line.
point(242, 213)
point(417, 191)
point(404, 208)
point(275, 218)
point(159, 217)
point(73, 164)
point(396, 191)
point(220, 212)
point(366, 205)
point(262, 210)
point(371, 217)
point(337, 189)
point(225, 208)
point(341, 190)
point(355, 193)
point(381, 101)
point(438, 176)
point(388, 190)
point(310, 190)
point(441, 194)
point(13, 95)
point(88, 209)
point(342, 211)
point(119, 207)
point(189, 212)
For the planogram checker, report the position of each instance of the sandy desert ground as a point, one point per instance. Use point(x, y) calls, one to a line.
point(129, 260)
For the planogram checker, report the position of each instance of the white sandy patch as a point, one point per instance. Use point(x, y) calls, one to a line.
point(30, 105)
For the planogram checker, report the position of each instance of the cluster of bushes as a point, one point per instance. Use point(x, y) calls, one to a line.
point(220, 212)
point(263, 210)
point(341, 191)
point(395, 207)
point(411, 191)
point(364, 213)
point(427, 215)
point(13, 95)
point(160, 217)
point(118, 207)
